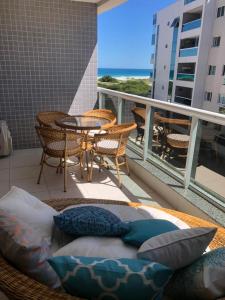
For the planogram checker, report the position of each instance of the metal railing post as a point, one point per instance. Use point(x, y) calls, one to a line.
point(191, 151)
point(119, 110)
point(147, 130)
point(101, 98)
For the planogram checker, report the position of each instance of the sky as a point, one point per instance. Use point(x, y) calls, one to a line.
point(124, 34)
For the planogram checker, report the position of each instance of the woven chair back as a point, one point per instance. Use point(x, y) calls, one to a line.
point(48, 118)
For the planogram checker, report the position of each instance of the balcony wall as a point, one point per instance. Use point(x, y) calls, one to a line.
point(48, 61)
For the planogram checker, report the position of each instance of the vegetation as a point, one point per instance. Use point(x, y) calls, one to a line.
point(108, 78)
point(140, 87)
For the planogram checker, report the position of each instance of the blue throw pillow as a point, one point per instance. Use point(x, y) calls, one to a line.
point(142, 230)
point(90, 221)
point(107, 279)
point(204, 279)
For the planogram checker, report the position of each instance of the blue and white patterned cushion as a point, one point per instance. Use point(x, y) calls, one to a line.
point(90, 221)
point(109, 279)
point(202, 280)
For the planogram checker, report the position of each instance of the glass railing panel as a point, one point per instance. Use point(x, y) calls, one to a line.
point(208, 169)
point(189, 52)
point(185, 77)
point(188, 1)
point(134, 112)
point(192, 25)
point(170, 137)
point(110, 102)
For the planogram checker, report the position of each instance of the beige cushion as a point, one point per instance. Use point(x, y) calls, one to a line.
point(179, 248)
point(127, 213)
point(60, 145)
point(107, 145)
point(106, 247)
point(91, 133)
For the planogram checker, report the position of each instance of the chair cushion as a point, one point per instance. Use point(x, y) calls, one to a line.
point(25, 249)
point(179, 248)
point(92, 133)
point(29, 209)
point(108, 247)
point(107, 146)
point(90, 221)
point(202, 280)
point(60, 145)
point(101, 278)
point(142, 230)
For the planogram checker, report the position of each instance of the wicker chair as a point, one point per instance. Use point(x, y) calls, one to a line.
point(48, 118)
point(18, 286)
point(112, 144)
point(60, 144)
point(102, 113)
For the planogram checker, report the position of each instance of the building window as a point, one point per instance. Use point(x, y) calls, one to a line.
point(220, 11)
point(223, 73)
point(166, 46)
point(208, 96)
point(216, 41)
point(221, 99)
point(153, 39)
point(212, 70)
point(154, 19)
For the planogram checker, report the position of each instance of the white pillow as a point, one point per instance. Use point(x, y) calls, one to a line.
point(106, 247)
point(30, 210)
point(179, 248)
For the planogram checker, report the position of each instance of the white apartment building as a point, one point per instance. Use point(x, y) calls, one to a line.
point(189, 58)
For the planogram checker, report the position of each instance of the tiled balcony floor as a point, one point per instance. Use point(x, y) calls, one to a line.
point(22, 168)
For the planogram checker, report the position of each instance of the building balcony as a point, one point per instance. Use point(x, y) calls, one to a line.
point(188, 52)
point(192, 25)
point(188, 1)
point(185, 77)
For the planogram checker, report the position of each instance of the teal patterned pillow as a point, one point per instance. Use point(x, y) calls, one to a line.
point(108, 279)
point(26, 249)
point(202, 280)
point(90, 221)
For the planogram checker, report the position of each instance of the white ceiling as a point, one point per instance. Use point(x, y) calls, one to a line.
point(104, 5)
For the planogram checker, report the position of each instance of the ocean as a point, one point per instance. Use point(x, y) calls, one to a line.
point(125, 73)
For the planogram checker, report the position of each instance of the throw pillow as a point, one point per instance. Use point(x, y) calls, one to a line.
point(142, 230)
point(109, 247)
point(179, 248)
point(23, 247)
point(202, 280)
point(101, 278)
point(30, 209)
point(90, 221)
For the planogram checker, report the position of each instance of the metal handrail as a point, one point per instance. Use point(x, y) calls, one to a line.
point(177, 108)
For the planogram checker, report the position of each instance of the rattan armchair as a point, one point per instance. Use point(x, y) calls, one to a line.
point(103, 113)
point(112, 144)
point(60, 144)
point(19, 286)
point(48, 118)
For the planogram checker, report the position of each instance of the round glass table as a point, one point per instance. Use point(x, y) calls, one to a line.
point(83, 124)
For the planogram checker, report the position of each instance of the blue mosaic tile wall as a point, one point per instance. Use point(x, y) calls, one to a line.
point(47, 62)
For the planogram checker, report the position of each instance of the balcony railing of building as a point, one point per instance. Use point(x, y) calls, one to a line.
point(188, 52)
point(188, 1)
point(185, 77)
point(221, 99)
point(182, 141)
point(192, 25)
point(182, 100)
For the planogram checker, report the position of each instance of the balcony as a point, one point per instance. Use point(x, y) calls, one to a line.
point(188, 52)
point(188, 1)
point(183, 100)
point(191, 25)
point(185, 77)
